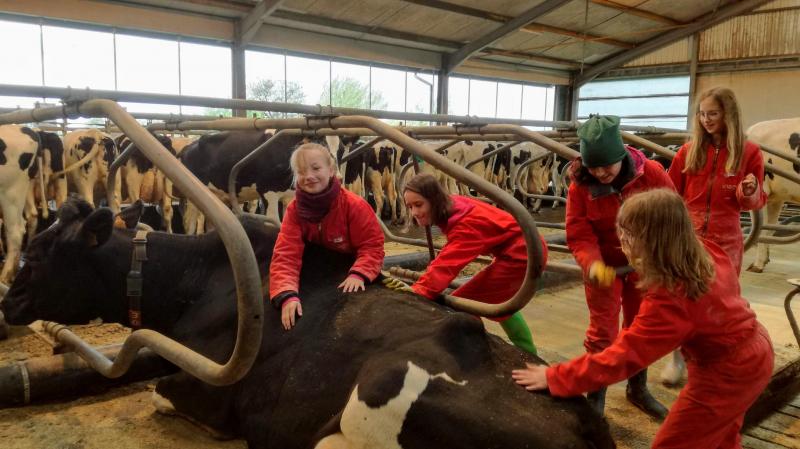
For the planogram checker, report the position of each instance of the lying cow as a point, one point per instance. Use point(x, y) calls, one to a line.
point(18, 148)
point(99, 150)
point(378, 369)
point(780, 135)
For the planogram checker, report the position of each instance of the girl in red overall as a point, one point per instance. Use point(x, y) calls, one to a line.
point(692, 300)
point(603, 177)
point(472, 228)
point(719, 174)
point(326, 214)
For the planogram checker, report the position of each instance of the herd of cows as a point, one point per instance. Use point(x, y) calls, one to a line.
point(408, 373)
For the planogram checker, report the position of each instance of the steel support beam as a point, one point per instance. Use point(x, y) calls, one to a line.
point(694, 57)
point(509, 27)
point(708, 20)
point(249, 24)
point(636, 12)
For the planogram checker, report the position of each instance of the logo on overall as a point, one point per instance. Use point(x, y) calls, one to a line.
point(337, 240)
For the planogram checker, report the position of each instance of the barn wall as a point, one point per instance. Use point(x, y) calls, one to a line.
point(762, 95)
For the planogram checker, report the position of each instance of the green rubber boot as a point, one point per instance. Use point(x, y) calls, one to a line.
point(519, 333)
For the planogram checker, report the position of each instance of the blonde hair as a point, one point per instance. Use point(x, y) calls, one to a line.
point(297, 163)
point(661, 243)
point(696, 157)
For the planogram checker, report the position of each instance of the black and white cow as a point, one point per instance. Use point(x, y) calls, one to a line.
point(781, 135)
point(19, 146)
point(93, 174)
point(377, 369)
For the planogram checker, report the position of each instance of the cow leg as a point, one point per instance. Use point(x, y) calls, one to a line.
point(391, 195)
point(762, 256)
point(166, 201)
point(12, 203)
point(31, 213)
point(376, 187)
point(193, 220)
point(204, 405)
point(272, 199)
point(133, 182)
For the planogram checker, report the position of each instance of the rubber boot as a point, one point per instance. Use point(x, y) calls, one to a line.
point(638, 395)
point(519, 333)
point(598, 401)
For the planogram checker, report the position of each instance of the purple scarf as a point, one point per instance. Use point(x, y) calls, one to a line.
point(314, 206)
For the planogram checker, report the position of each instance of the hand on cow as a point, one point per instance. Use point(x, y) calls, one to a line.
point(288, 310)
point(601, 274)
point(533, 377)
point(396, 285)
point(352, 284)
point(749, 185)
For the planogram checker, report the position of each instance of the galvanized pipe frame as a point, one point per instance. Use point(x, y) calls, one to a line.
point(524, 192)
point(71, 95)
point(240, 254)
point(112, 176)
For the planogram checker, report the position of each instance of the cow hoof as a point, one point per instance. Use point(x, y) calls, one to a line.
point(754, 269)
point(163, 405)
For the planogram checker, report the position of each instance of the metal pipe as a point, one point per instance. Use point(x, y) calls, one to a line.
point(70, 95)
point(67, 375)
point(232, 197)
point(779, 153)
point(648, 145)
point(237, 245)
point(111, 180)
point(787, 306)
point(361, 149)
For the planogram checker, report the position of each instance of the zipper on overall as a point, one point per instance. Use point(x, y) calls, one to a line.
point(710, 186)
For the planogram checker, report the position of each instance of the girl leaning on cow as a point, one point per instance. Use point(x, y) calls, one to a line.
point(692, 300)
point(719, 174)
point(472, 228)
point(605, 175)
point(326, 214)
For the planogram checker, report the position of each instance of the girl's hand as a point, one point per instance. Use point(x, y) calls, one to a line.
point(352, 284)
point(749, 185)
point(532, 378)
point(288, 310)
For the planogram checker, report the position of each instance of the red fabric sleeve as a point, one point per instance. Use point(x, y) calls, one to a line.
point(657, 178)
point(753, 163)
point(461, 249)
point(676, 170)
point(581, 238)
point(287, 257)
point(661, 325)
point(367, 238)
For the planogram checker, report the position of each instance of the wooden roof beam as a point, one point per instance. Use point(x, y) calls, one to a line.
point(705, 21)
point(637, 12)
point(249, 24)
point(453, 60)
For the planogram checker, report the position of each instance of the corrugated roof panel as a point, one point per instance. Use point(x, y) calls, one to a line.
point(750, 36)
point(680, 10)
point(671, 54)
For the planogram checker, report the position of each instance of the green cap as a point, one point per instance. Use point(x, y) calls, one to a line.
point(601, 143)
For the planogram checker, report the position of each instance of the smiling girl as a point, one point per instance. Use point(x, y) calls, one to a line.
point(325, 214)
point(473, 228)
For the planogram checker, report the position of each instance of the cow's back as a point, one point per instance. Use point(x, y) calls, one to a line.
point(782, 135)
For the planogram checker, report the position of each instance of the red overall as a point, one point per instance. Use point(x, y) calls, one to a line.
point(349, 227)
point(714, 198)
point(728, 353)
point(592, 236)
point(473, 229)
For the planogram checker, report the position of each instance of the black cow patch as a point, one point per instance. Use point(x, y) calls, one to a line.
point(25, 160)
point(52, 143)
point(768, 174)
point(3, 152)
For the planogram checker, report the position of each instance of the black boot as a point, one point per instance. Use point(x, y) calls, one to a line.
point(597, 400)
point(638, 394)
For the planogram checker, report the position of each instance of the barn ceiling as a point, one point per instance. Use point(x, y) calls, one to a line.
point(569, 37)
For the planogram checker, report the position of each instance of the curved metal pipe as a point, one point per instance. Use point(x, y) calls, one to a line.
point(787, 306)
point(240, 253)
point(756, 219)
point(776, 152)
point(112, 177)
point(361, 149)
point(651, 146)
point(497, 150)
point(232, 197)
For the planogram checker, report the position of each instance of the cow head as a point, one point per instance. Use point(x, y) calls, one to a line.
point(58, 280)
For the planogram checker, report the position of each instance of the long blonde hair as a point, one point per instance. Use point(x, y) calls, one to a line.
point(658, 237)
point(696, 157)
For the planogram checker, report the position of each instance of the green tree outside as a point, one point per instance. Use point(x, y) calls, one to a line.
point(350, 93)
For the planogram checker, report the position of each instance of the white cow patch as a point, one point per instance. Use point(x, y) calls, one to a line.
point(365, 427)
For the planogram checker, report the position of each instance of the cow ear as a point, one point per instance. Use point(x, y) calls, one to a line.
point(96, 229)
point(129, 216)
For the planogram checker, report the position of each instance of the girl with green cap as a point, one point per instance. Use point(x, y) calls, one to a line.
point(605, 175)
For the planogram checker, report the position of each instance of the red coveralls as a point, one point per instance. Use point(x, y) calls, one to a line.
point(714, 198)
point(475, 228)
point(728, 353)
point(591, 236)
point(349, 227)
